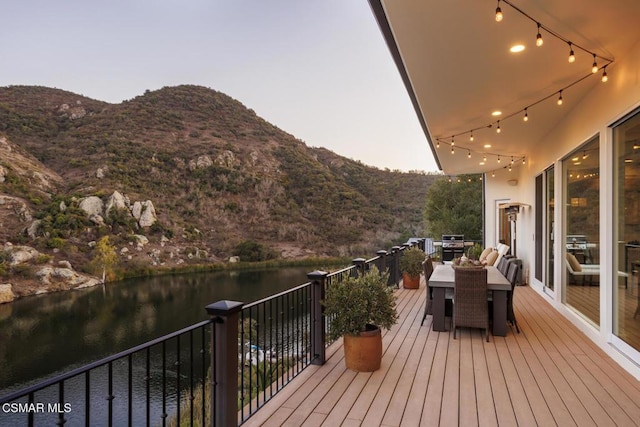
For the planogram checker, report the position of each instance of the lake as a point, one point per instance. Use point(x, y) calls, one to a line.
point(53, 333)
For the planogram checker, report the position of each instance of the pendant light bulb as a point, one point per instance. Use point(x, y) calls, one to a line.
point(498, 159)
point(604, 74)
point(452, 150)
point(498, 128)
point(539, 41)
point(594, 67)
point(471, 137)
point(498, 13)
point(526, 115)
point(572, 55)
point(469, 155)
point(523, 162)
point(438, 143)
point(560, 99)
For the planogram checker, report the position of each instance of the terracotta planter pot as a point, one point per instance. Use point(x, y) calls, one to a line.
point(363, 353)
point(410, 282)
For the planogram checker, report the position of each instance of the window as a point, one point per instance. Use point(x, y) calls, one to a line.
point(626, 300)
point(581, 183)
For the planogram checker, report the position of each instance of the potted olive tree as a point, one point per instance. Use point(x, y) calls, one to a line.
point(411, 267)
point(358, 307)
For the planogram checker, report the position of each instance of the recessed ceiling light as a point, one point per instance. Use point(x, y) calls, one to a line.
point(487, 145)
point(575, 159)
point(482, 163)
point(496, 113)
point(628, 160)
point(516, 48)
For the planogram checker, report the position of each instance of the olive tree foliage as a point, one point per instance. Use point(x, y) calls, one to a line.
point(455, 207)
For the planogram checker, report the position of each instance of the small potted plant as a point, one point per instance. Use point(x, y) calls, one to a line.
point(475, 251)
point(411, 267)
point(358, 308)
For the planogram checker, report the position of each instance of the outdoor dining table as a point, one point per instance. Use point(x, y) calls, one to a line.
point(443, 277)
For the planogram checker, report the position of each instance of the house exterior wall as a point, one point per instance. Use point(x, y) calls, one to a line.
point(593, 115)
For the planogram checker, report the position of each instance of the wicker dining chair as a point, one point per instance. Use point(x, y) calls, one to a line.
point(503, 266)
point(470, 306)
point(512, 276)
point(427, 266)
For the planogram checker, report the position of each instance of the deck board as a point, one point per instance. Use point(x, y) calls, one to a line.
point(549, 374)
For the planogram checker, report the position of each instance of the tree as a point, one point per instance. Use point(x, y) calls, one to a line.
point(106, 256)
point(455, 207)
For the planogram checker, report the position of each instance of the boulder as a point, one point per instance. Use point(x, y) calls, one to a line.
point(64, 264)
point(200, 163)
point(3, 174)
point(234, 259)
point(92, 205)
point(226, 158)
point(32, 230)
point(15, 206)
point(6, 293)
point(72, 279)
point(97, 219)
point(115, 201)
point(21, 254)
point(136, 210)
point(148, 214)
point(141, 240)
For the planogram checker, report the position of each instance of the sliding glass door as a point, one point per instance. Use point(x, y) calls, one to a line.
point(581, 241)
point(626, 296)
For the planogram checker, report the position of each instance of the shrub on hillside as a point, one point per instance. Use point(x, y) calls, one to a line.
point(252, 251)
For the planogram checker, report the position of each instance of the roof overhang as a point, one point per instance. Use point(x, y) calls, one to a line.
point(455, 62)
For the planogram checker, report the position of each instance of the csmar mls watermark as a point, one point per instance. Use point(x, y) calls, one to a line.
point(35, 407)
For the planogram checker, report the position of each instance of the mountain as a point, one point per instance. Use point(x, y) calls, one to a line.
point(216, 174)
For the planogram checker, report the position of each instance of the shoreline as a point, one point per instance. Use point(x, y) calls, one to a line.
point(26, 288)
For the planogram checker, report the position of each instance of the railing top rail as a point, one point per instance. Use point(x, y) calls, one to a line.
point(374, 259)
point(81, 370)
point(343, 270)
point(263, 300)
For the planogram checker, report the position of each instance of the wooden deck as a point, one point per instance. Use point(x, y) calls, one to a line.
point(549, 374)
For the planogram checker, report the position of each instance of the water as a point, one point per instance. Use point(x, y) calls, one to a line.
point(48, 334)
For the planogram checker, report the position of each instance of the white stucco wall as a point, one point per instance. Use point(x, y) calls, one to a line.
point(593, 115)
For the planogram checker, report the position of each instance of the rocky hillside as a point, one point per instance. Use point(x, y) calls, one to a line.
point(183, 175)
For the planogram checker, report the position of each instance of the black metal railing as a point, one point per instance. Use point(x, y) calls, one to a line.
point(217, 372)
point(139, 386)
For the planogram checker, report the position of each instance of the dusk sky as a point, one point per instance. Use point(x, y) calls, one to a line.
point(319, 70)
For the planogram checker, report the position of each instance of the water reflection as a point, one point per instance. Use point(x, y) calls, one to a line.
point(47, 334)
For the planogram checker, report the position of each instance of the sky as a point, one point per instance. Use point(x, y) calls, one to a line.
point(318, 69)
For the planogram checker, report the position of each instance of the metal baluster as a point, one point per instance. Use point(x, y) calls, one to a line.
point(130, 385)
point(203, 353)
point(164, 383)
point(178, 379)
point(191, 397)
point(87, 399)
point(61, 419)
point(148, 378)
point(111, 396)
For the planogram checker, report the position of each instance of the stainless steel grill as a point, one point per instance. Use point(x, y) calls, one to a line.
point(576, 241)
point(452, 246)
